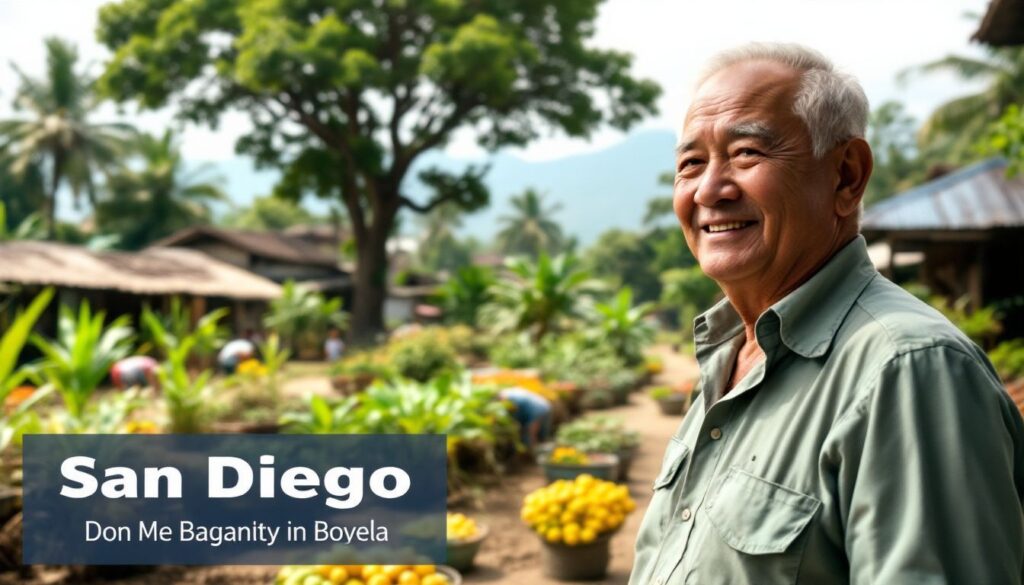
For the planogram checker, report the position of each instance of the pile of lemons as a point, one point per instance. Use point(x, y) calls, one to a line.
point(360, 575)
point(575, 512)
point(461, 527)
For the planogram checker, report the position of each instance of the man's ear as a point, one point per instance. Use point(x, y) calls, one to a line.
point(854, 163)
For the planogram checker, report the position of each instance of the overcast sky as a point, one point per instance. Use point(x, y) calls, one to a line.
point(670, 39)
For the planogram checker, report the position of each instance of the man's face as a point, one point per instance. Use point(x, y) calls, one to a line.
point(753, 202)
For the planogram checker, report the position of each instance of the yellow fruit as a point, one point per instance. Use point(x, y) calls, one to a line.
point(553, 535)
point(379, 579)
point(393, 571)
point(434, 579)
point(337, 575)
point(424, 570)
point(408, 577)
point(587, 535)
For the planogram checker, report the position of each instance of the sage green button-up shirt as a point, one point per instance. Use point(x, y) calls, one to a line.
point(873, 444)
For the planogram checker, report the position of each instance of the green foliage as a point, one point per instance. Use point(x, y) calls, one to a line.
point(954, 128)
point(450, 405)
point(659, 392)
point(587, 362)
point(79, 359)
point(463, 295)
point(422, 356)
point(346, 95)
point(302, 317)
point(274, 358)
point(1008, 359)
point(597, 434)
point(159, 198)
point(29, 228)
point(1006, 138)
point(268, 213)
point(540, 298)
point(13, 341)
point(529, 230)
point(22, 196)
point(622, 326)
point(981, 325)
point(57, 132)
point(514, 351)
point(626, 259)
point(187, 397)
point(690, 291)
point(167, 331)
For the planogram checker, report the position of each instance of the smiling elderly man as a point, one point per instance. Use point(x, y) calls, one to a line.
point(846, 432)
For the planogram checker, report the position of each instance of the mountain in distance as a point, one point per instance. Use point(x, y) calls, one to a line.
point(599, 190)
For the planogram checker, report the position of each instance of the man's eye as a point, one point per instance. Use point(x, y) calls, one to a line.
point(748, 152)
point(689, 163)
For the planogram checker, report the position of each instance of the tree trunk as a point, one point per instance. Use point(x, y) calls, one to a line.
point(370, 287)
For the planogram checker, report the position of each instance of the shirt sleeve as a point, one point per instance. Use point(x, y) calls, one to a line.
point(929, 474)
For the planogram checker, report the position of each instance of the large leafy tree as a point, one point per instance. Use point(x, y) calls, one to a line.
point(57, 135)
point(954, 128)
point(158, 198)
point(529, 229)
point(898, 162)
point(346, 95)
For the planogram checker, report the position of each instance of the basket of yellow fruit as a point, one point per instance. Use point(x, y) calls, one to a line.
point(575, 521)
point(368, 575)
point(569, 462)
point(464, 539)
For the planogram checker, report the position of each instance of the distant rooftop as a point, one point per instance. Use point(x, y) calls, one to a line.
point(977, 197)
point(273, 245)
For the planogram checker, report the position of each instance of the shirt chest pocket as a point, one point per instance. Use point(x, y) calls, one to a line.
point(757, 526)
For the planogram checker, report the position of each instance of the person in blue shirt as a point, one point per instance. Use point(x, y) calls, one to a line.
point(532, 412)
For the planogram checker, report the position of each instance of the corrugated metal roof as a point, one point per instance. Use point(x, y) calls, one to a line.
point(978, 197)
point(154, 271)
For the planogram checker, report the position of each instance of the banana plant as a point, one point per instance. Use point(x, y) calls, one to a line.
point(77, 361)
point(622, 325)
point(167, 331)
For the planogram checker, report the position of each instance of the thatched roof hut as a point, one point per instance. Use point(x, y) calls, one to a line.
point(1003, 24)
point(155, 271)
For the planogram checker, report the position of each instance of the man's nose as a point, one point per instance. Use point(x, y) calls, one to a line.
point(716, 185)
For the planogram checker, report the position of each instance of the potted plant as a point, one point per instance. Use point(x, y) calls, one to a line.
point(602, 434)
point(671, 402)
point(575, 521)
point(464, 539)
point(569, 462)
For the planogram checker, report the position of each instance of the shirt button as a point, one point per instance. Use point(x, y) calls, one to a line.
point(686, 515)
point(716, 433)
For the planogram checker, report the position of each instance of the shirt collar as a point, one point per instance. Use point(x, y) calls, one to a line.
point(807, 319)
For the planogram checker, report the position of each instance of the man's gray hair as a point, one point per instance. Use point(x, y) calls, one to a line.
point(832, 104)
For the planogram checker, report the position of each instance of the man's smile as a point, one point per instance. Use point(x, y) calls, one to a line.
point(728, 226)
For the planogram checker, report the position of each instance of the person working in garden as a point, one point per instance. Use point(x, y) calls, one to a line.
point(532, 412)
point(233, 353)
point(136, 370)
point(845, 431)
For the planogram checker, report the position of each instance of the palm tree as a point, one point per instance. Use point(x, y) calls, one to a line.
point(956, 126)
point(529, 230)
point(57, 134)
point(162, 197)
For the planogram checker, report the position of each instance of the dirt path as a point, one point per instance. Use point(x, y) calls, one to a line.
point(512, 553)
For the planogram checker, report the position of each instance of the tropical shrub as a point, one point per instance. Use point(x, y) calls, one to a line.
point(981, 325)
point(597, 434)
point(18, 415)
point(302, 317)
point(466, 293)
point(622, 326)
point(542, 298)
point(166, 331)
point(186, 396)
point(689, 291)
point(514, 351)
point(79, 359)
point(422, 356)
point(1008, 359)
